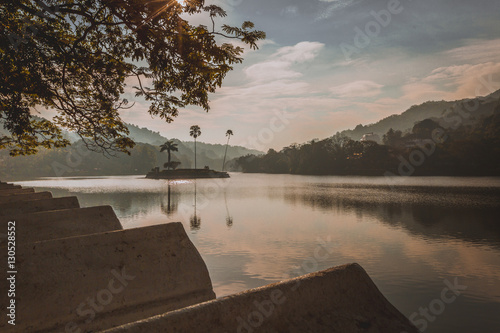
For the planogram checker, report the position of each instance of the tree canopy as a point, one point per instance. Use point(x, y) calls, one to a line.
point(169, 146)
point(76, 56)
point(472, 149)
point(194, 131)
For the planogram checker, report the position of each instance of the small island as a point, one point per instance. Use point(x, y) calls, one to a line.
point(171, 171)
point(186, 174)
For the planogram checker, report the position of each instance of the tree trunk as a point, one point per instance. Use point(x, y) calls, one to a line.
point(225, 152)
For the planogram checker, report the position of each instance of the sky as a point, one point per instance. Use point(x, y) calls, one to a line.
point(329, 65)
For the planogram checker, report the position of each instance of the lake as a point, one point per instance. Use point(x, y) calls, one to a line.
point(414, 237)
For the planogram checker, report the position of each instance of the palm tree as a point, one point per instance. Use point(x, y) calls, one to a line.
point(169, 146)
point(195, 132)
point(228, 134)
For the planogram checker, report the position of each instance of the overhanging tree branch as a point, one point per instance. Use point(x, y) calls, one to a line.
point(75, 56)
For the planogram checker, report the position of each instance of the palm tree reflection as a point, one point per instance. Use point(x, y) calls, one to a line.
point(194, 220)
point(172, 203)
point(229, 218)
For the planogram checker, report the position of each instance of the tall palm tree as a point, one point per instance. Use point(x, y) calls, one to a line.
point(169, 146)
point(228, 134)
point(195, 132)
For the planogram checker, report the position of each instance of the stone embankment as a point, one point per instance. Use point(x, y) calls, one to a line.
point(77, 270)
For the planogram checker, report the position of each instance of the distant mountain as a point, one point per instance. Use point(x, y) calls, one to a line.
point(145, 135)
point(144, 156)
point(208, 154)
point(73, 137)
point(428, 110)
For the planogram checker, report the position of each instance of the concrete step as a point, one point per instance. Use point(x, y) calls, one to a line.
point(8, 186)
point(34, 227)
point(90, 283)
point(33, 206)
point(339, 300)
point(5, 192)
point(25, 197)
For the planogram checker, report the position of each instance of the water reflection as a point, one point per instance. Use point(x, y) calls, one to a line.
point(229, 218)
point(195, 220)
point(408, 238)
point(469, 214)
point(172, 202)
point(466, 213)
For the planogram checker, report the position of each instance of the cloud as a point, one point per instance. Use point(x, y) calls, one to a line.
point(269, 89)
point(271, 70)
point(279, 65)
point(290, 11)
point(476, 51)
point(301, 52)
point(358, 89)
point(455, 82)
point(333, 7)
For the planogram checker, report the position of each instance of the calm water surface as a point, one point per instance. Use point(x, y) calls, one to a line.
point(255, 229)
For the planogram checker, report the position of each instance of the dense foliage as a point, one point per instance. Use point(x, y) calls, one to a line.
point(428, 149)
point(75, 57)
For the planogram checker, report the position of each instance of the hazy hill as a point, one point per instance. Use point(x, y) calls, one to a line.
point(208, 154)
point(145, 135)
point(436, 110)
point(76, 160)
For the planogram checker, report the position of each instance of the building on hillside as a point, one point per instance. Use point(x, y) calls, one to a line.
point(371, 137)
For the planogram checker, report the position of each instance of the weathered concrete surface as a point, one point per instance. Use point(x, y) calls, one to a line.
point(33, 206)
point(25, 197)
point(8, 186)
point(126, 275)
point(5, 186)
point(4, 192)
point(341, 299)
point(62, 223)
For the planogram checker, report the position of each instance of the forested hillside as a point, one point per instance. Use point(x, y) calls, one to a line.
point(461, 143)
point(406, 120)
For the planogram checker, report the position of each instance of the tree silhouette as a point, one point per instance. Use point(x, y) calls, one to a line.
point(169, 146)
point(195, 220)
point(228, 134)
point(195, 132)
point(423, 129)
point(393, 138)
point(75, 57)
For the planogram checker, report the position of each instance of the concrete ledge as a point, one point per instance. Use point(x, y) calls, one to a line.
point(33, 206)
point(8, 186)
point(34, 227)
point(342, 299)
point(94, 282)
point(25, 197)
point(4, 192)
